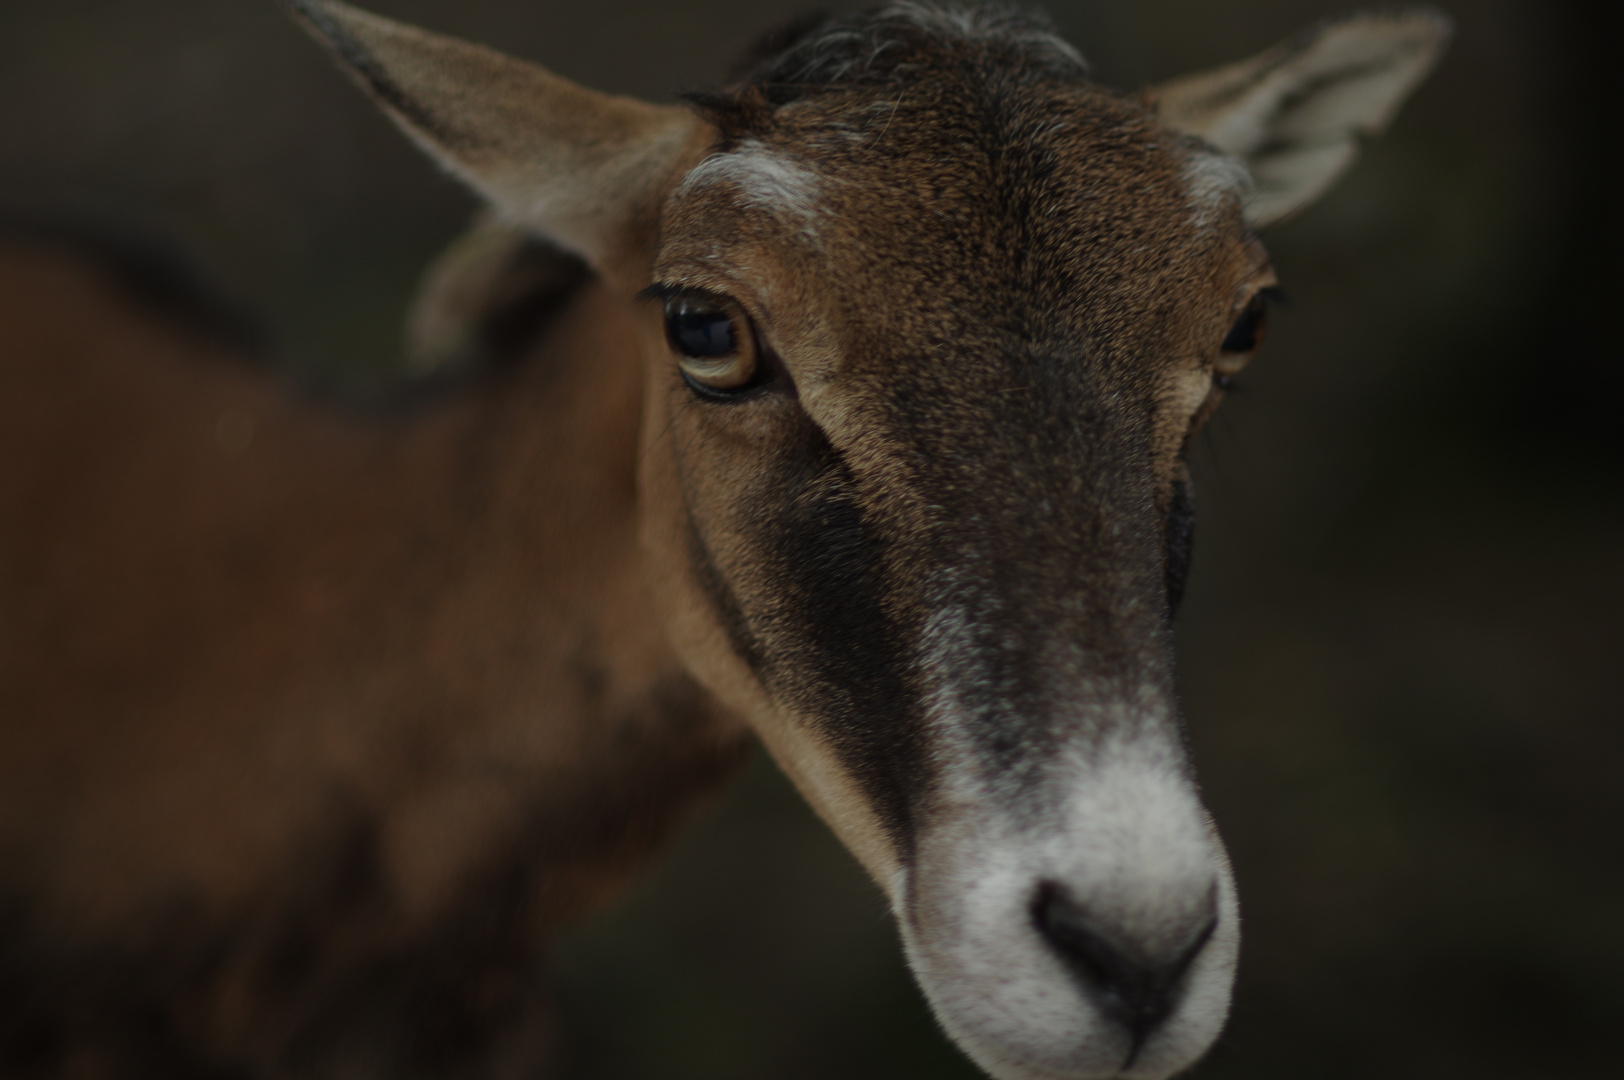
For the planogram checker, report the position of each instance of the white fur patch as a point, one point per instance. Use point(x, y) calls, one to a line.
point(764, 178)
point(1133, 846)
point(1118, 827)
point(1214, 181)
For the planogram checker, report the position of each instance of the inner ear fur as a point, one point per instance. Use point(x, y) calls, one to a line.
point(579, 167)
point(1294, 115)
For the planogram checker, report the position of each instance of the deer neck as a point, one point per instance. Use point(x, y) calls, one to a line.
point(429, 629)
point(534, 601)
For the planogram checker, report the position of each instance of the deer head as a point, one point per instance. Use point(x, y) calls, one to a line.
point(929, 319)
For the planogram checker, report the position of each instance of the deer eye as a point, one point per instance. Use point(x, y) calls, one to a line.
point(713, 342)
point(1244, 336)
point(1247, 333)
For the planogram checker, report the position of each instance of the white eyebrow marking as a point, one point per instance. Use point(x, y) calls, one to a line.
point(766, 179)
point(1212, 180)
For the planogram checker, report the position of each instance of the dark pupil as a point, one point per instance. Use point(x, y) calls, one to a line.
point(1243, 335)
point(699, 330)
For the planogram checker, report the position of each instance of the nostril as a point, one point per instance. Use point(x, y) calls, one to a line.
point(1135, 984)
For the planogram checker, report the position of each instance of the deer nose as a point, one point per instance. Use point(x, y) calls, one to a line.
point(1134, 984)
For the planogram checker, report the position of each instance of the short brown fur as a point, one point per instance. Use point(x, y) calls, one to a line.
point(317, 724)
point(234, 810)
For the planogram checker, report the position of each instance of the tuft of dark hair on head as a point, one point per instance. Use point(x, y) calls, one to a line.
point(885, 46)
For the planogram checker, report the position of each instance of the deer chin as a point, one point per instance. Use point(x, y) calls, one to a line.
point(1096, 941)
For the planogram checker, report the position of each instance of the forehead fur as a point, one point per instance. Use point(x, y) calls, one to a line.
point(762, 177)
point(954, 143)
point(887, 45)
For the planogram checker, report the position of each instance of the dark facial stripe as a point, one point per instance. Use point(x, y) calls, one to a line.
point(845, 657)
point(1180, 539)
point(826, 646)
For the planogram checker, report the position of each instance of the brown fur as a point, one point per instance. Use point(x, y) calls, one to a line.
point(316, 724)
point(238, 827)
point(954, 400)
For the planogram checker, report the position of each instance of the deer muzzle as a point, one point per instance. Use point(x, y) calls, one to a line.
point(1084, 930)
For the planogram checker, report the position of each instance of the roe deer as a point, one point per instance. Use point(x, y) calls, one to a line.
point(860, 424)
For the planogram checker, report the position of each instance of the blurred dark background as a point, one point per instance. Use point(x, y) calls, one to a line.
point(1398, 653)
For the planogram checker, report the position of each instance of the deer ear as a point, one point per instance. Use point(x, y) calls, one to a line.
point(1294, 115)
point(574, 165)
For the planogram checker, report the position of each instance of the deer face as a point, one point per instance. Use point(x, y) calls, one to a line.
point(925, 527)
point(928, 322)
